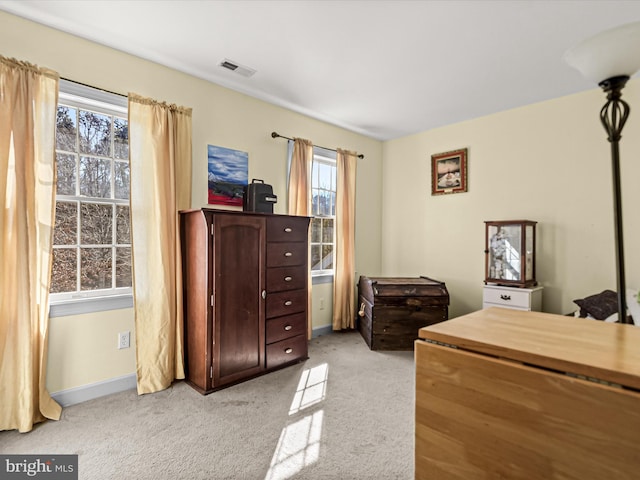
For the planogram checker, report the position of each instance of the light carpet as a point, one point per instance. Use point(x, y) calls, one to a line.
point(346, 413)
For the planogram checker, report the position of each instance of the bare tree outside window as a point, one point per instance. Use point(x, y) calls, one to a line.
point(92, 243)
point(94, 133)
point(66, 129)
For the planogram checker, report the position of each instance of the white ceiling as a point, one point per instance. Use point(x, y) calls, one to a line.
point(381, 68)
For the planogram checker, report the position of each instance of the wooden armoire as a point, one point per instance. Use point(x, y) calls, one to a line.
point(245, 283)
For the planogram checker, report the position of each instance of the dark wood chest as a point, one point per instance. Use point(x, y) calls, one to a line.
point(393, 309)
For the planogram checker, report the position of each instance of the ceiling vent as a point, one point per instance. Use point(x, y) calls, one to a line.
point(237, 68)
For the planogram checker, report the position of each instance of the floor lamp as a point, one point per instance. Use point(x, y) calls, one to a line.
point(610, 59)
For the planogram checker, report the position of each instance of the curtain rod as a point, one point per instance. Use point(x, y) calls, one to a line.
point(277, 135)
point(95, 88)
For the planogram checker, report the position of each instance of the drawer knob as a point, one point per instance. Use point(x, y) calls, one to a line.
point(264, 294)
point(288, 230)
point(288, 303)
point(287, 279)
point(288, 350)
point(288, 327)
point(505, 297)
point(287, 254)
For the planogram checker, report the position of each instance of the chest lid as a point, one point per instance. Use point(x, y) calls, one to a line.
point(405, 286)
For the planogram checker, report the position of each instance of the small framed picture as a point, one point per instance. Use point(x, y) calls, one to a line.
point(449, 172)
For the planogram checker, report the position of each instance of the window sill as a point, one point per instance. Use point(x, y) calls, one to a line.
point(90, 305)
point(322, 278)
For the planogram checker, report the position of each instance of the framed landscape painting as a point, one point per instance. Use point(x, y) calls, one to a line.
point(228, 172)
point(449, 172)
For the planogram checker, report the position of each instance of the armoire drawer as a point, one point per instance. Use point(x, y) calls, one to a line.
point(288, 326)
point(285, 303)
point(287, 229)
point(286, 351)
point(280, 279)
point(286, 254)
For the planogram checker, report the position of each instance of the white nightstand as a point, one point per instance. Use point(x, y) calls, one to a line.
point(512, 297)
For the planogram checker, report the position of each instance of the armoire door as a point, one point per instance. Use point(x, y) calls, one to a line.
point(238, 285)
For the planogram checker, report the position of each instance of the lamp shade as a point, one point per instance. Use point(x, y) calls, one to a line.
point(609, 54)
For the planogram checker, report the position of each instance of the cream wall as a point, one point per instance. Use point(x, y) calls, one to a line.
point(321, 311)
point(82, 348)
point(548, 162)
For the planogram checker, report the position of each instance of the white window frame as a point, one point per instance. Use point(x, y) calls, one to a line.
point(327, 157)
point(317, 276)
point(72, 303)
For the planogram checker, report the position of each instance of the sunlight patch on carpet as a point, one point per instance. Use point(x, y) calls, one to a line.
point(312, 388)
point(298, 447)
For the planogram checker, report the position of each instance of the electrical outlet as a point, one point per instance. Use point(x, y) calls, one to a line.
point(123, 340)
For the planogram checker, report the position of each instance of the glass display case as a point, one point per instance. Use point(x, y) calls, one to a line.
point(510, 253)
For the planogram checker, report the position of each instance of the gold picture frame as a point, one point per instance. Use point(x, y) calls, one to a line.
point(449, 172)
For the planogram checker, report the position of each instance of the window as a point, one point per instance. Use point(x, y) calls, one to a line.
point(91, 239)
point(323, 211)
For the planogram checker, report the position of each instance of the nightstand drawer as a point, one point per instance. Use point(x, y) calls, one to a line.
point(511, 297)
point(506, 298)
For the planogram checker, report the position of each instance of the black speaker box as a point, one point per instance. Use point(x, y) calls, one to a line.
point(258, 197)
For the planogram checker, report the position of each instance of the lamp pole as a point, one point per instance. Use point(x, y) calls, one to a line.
point(614, 115)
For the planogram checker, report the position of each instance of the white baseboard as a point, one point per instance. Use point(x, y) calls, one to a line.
point(83, 393)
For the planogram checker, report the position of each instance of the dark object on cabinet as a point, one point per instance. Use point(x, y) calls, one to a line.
point(258, 197)
point(245, 294)
point(392, 310)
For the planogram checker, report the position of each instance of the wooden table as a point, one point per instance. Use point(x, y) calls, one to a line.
point(507, 394)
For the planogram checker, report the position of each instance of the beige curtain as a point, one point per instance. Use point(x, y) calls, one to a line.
point(160, 156)
point(28, 103)
point(299, 197)
point(300, 177)
point(344, 265)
